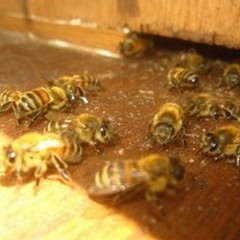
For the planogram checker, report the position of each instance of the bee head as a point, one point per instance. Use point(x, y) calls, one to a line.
point(232, 79)
point(9, 158)
point(210, 145)
point(126, 47)
point(105, 133)
point(177, 170)
point(163, 132)
point(193, 79)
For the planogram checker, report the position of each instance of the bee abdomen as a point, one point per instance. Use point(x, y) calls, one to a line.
point(117, 173)
point(34, 100)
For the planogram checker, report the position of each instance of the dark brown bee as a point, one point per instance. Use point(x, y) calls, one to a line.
point(36, 152)
point(167, 123)
point(90, 129)
point(222, 142)
point(182, 78)
point(231, 75)
point(133, 45)
point(153, 174)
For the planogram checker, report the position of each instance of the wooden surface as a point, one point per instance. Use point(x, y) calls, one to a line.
point(206, 205)
point(212, 22)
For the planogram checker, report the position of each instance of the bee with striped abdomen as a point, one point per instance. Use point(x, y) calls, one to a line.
point(153, 175)
point(78, 85)
point(204, 105)
point(167, 123)
point(209, 105)
point(231, 75)
point(90, 129)
point(36, 152)
point(191, 60)
point(182, 78)
point(34, 104)
point(222, 142)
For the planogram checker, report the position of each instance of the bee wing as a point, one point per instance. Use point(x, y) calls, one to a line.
point(118, 177)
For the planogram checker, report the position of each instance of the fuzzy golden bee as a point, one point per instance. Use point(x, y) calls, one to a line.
point(57, 96)
point(78, 85)
point(167, 123)
point(153, 175)
point(222, 142)
point(90, 129)
point(182, 78)
point(231, 75)
point(191, 60)
point(133, 45)
point(34, 104)
point(35, 152)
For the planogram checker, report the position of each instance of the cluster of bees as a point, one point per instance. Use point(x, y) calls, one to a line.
point(61, 142)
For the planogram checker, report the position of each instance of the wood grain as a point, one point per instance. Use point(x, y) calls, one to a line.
point(211, 22)
point(206, 205)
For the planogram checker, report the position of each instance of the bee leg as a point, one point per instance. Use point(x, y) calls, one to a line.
point(62, 168)
point(82, 96)
point(5, 107)
point(184, 142)
point(34, 117)
point(238, 157)
point(96, 147)
point(155, 200)
point(38, 175)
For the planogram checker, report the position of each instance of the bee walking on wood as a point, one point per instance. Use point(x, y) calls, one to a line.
point(36, 152)
point(222, 142)
point(191, 60)
point(133, 45)
point(182, 78)
point(231, 75)
point(208, 105)
point(167, 123)
point(32, 105)
point(90, 129)
point(153, 175)
point(78, 85)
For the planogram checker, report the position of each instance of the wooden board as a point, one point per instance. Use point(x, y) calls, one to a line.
point(206, 205)
point(211, 22)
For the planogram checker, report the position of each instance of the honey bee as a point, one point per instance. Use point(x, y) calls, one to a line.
point(222, 142)
point(153, 175)
point(181, 78)
point(231, 75)
point(35, 152)
point(167, 123)
point(191, 60)
point(77, 85)
point(90, 129)
point(133, 45)
point(7, 98)
point(208, 105)
point(204, 105)
point(31, 105)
